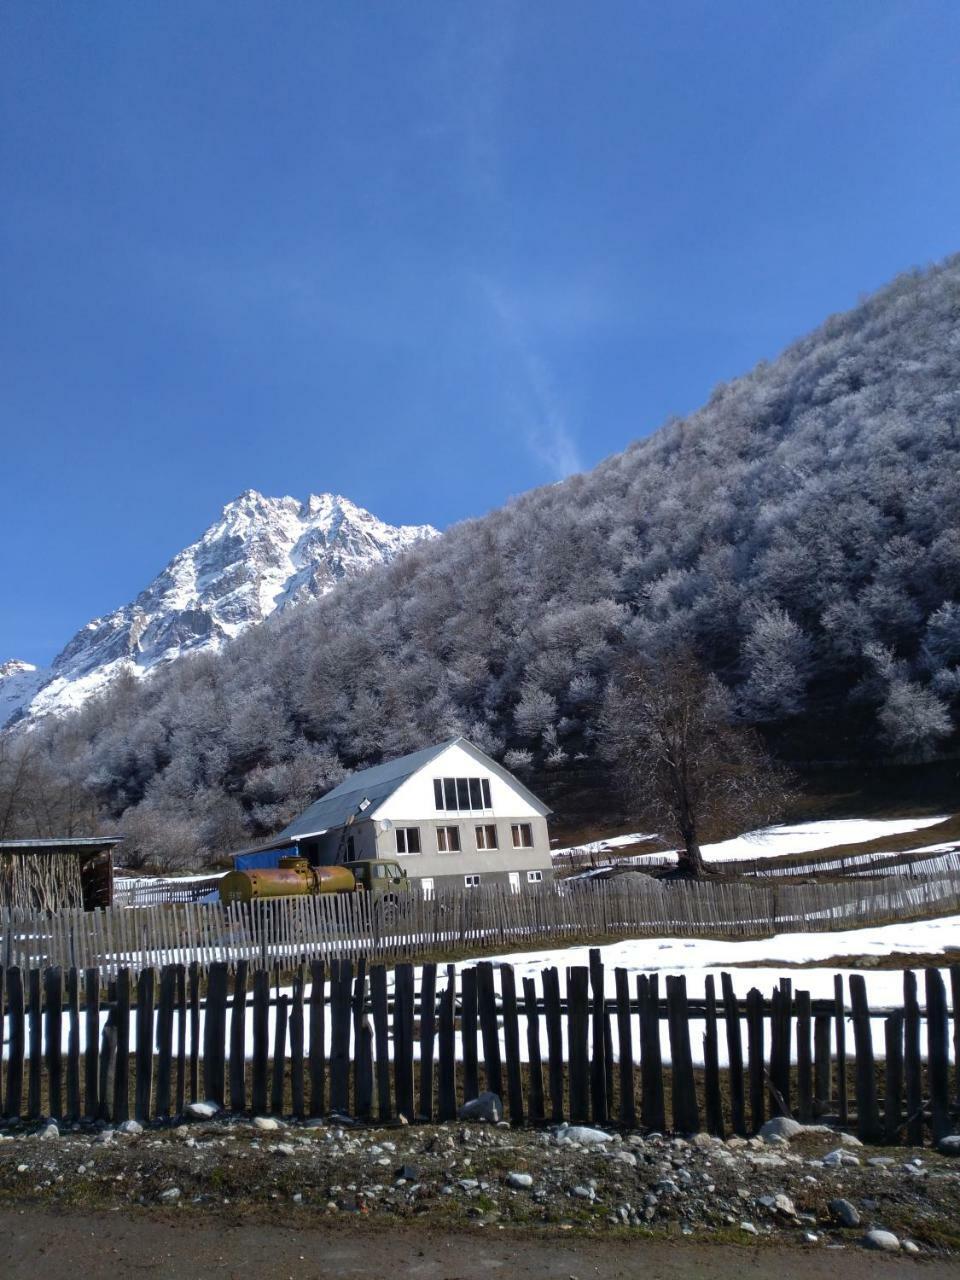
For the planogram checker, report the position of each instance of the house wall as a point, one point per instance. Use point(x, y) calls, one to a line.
point(492, 865)
point(413, 799)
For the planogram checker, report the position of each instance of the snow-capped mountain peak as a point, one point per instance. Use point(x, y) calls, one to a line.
point(261, 555)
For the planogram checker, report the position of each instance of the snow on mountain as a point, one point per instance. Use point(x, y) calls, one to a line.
point(262, 555)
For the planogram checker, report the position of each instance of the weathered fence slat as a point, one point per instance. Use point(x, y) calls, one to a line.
point(91, 1056)
point(711, 1063)
point(893, 1077)
point(341, 990)
point(381, 1029)
point(261, 1041)
point(868, 1116)
point(554, 1023)
point(628, 1109)
point(652, 1105)
point(686, 1111)
point(318, 1049)
point(35, 1026)
point(428, 1031)
point(839, 1016)
point(74, 1106)
point(165, 1011)
point(804, 1060)
point(181, 1037)
point(468, 1032)
point(53, 1035)
point(598, 1076)
point(446, 1082)
point(731, 1018)
point(13, 1102)
point(121, 1076)
point(535, 1102)
point(578, 979)
point(822, 1064)
point(489, 1028)
point(193, 973)
point(296, 1046)
point(403, 1020)
point(758, 1091)
point(913, 1086)
point(238, 1039)
point(143, 1046)
point(938, 1061)
point(214, 1032)
point(511, 1041)
point(278, 1074)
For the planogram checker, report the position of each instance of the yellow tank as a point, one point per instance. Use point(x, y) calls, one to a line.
point(292, 878)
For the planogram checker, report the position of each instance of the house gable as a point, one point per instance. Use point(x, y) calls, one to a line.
point(414, 799)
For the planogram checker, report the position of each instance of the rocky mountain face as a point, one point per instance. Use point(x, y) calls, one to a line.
point(262, 555)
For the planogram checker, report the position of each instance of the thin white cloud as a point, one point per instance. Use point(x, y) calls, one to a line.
point(540, 412)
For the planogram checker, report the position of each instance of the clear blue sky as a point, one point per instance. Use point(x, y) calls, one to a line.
point(426, 255)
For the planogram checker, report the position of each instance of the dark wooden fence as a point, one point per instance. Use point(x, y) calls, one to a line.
point(347, 926)
point(340, 1042)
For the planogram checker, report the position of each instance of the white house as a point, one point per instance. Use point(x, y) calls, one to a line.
point(449, 813)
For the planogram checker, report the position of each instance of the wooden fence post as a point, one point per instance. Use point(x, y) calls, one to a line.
point(758, 1090)
point(446, 1084)
point(238, 1039)
point(893, 1077)
point(13, 1103)
point(731, 1017)
point(550, 979)
point(278, 1074)
point(143, 1083)
point(318, 1048)
point(74, 1107)
point(938, 1063)
point(711, 1063)
point(598, 1078)
point(215, 1032)
point(53, 1028)
point(913, 1078)
point(822, 1065)
point(511, 1041)
point(686, 1111)
point(628, 1109)
point(652, 1106)
point(381, 1027)
point(91, 1056)
point(868, 1116)
point(804, 1060)
point(839, 1016)
point(165, 1012)
point(468, 1032)
point(403, 1040)
point(194, 982)
point(489, 1028)
point(296, 1046)
point(577, 1029)
point(428, 1030)
point(535, 1064)
point(261, 1040)
point(35, 1029)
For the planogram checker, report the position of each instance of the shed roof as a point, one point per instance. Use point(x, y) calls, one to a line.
point(47, 843)
point(376, 784)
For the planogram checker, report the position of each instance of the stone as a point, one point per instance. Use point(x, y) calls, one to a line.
point(950, 1145)
point(584, 1193)
point(486, 1106)
point(584, 1134)
point(522, 1181)
point(886, 1241)
point(780, 1127)
point(881, 1162)
point(49, 1133)
point(783, 1204)
point(132, 1127)
point(909, 1246)
point(171, 1195)
point(749, 1228)
point(844, 1213)
point(285, 1149)
point(627, 1158)
point(202, 1110)
point(266, 1123)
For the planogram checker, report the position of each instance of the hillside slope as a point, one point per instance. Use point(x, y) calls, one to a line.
point(801, 531)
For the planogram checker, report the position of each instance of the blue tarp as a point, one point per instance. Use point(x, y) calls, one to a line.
point(262, 858)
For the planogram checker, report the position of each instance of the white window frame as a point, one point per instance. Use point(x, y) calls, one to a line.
point(516, 830)
point(471, 881)
point(481, 840)
point(445, 846)
point(404, 834)
point(426, 886)
point(440, 792)
point(534, 877)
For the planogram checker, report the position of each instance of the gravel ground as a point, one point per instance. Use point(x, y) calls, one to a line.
point(438, 1178)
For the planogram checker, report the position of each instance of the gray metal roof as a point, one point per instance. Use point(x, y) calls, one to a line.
point(373, 784)
point(66, 842)
point(376, 784)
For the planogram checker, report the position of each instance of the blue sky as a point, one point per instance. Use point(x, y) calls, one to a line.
point(426, 255)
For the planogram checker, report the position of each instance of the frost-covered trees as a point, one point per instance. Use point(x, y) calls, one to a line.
point(800, 534)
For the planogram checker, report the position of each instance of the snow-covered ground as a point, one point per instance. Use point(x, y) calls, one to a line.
point(774, 842)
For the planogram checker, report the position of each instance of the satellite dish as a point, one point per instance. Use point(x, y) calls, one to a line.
point(385, 824)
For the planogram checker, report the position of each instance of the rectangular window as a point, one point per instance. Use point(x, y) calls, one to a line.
point(471, 882)
point(448, 839)
point(522, 833)
point(408, 839)
point(426, 886)
point(461, 794)
point(487, 837)
point(534, 877)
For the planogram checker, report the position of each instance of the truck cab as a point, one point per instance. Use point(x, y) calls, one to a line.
point(381, 877)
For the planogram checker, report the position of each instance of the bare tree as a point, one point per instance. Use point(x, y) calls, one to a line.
point(680, 760)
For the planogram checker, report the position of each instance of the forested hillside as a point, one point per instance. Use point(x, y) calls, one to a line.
point(801, 533)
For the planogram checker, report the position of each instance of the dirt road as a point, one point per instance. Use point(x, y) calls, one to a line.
point(66, 1246)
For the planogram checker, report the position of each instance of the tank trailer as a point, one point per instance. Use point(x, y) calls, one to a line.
point(295, 877)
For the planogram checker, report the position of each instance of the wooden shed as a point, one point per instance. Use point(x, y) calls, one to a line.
point(57, 872)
